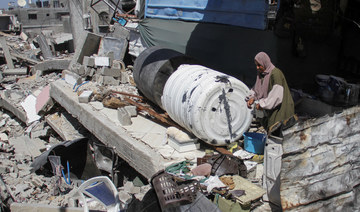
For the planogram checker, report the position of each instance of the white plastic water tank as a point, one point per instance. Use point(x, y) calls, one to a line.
point(208, 103)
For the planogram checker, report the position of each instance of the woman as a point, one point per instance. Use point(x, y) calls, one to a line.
point(271, 91)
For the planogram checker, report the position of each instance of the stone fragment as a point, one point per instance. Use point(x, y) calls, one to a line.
point(131, 109)
point(125, 197)
point(124, 117)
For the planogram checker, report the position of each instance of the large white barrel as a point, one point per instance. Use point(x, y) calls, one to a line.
point(208, 103)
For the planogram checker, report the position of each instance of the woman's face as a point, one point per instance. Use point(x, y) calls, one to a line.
point(259, 67)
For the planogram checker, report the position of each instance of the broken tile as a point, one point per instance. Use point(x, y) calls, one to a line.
point(43, 99)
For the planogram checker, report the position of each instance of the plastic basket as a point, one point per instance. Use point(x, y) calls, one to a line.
point(254, 142)
point(173, 193)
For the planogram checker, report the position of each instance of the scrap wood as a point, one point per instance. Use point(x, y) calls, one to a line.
point(113, 102)
point(222, 150)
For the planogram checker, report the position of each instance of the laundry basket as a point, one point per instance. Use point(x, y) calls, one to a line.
point(254, 142)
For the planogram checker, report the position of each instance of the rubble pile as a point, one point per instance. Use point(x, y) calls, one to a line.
point(27, 134)
point(38, 127)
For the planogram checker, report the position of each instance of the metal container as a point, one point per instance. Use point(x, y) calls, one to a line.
point(153, 67)
point(208, 103)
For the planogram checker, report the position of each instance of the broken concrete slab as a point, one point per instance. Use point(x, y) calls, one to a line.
point(44, 46)
point(51, 65)
point(5, 48)
point(116, 45)
point(8, 104)
point(66, 126)
point(15, 71)
point(21, 57)
point(146, 160)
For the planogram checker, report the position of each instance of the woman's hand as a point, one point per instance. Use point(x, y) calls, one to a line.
point(258, 107)
point(250, 102)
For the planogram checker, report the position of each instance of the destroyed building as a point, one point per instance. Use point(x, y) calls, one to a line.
point(145, 98)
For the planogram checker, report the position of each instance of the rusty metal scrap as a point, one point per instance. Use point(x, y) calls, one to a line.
point(127, 94)
point(161, 117)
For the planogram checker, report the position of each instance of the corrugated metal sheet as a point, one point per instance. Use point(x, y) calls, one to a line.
point(245, 13)
point(321, 164)
point(208, 103)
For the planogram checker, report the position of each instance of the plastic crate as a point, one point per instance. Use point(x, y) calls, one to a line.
point(171, 192)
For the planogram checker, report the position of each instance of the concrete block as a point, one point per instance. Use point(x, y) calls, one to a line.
point(71, 78)
point(124, 117)
point(89, 61)
point(110, 55)
point(15, 71)
point(124, 78)
point(108, 80)
point(105, 71)
point(81, 70)
point(92, 72)
point(85, 96)
point(131, 109)
point(102, 61)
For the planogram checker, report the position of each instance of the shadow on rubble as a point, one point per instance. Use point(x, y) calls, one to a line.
point(148, 204)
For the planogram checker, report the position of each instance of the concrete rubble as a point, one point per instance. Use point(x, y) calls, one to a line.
point(51, 99)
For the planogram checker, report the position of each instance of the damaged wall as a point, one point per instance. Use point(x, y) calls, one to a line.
point(321, 164)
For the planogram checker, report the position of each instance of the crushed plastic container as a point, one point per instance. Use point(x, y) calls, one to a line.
point(254, 142)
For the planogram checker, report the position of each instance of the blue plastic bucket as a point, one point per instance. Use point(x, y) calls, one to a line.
point(254, 142)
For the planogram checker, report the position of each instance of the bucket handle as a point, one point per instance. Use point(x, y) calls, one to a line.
point(264, 139)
